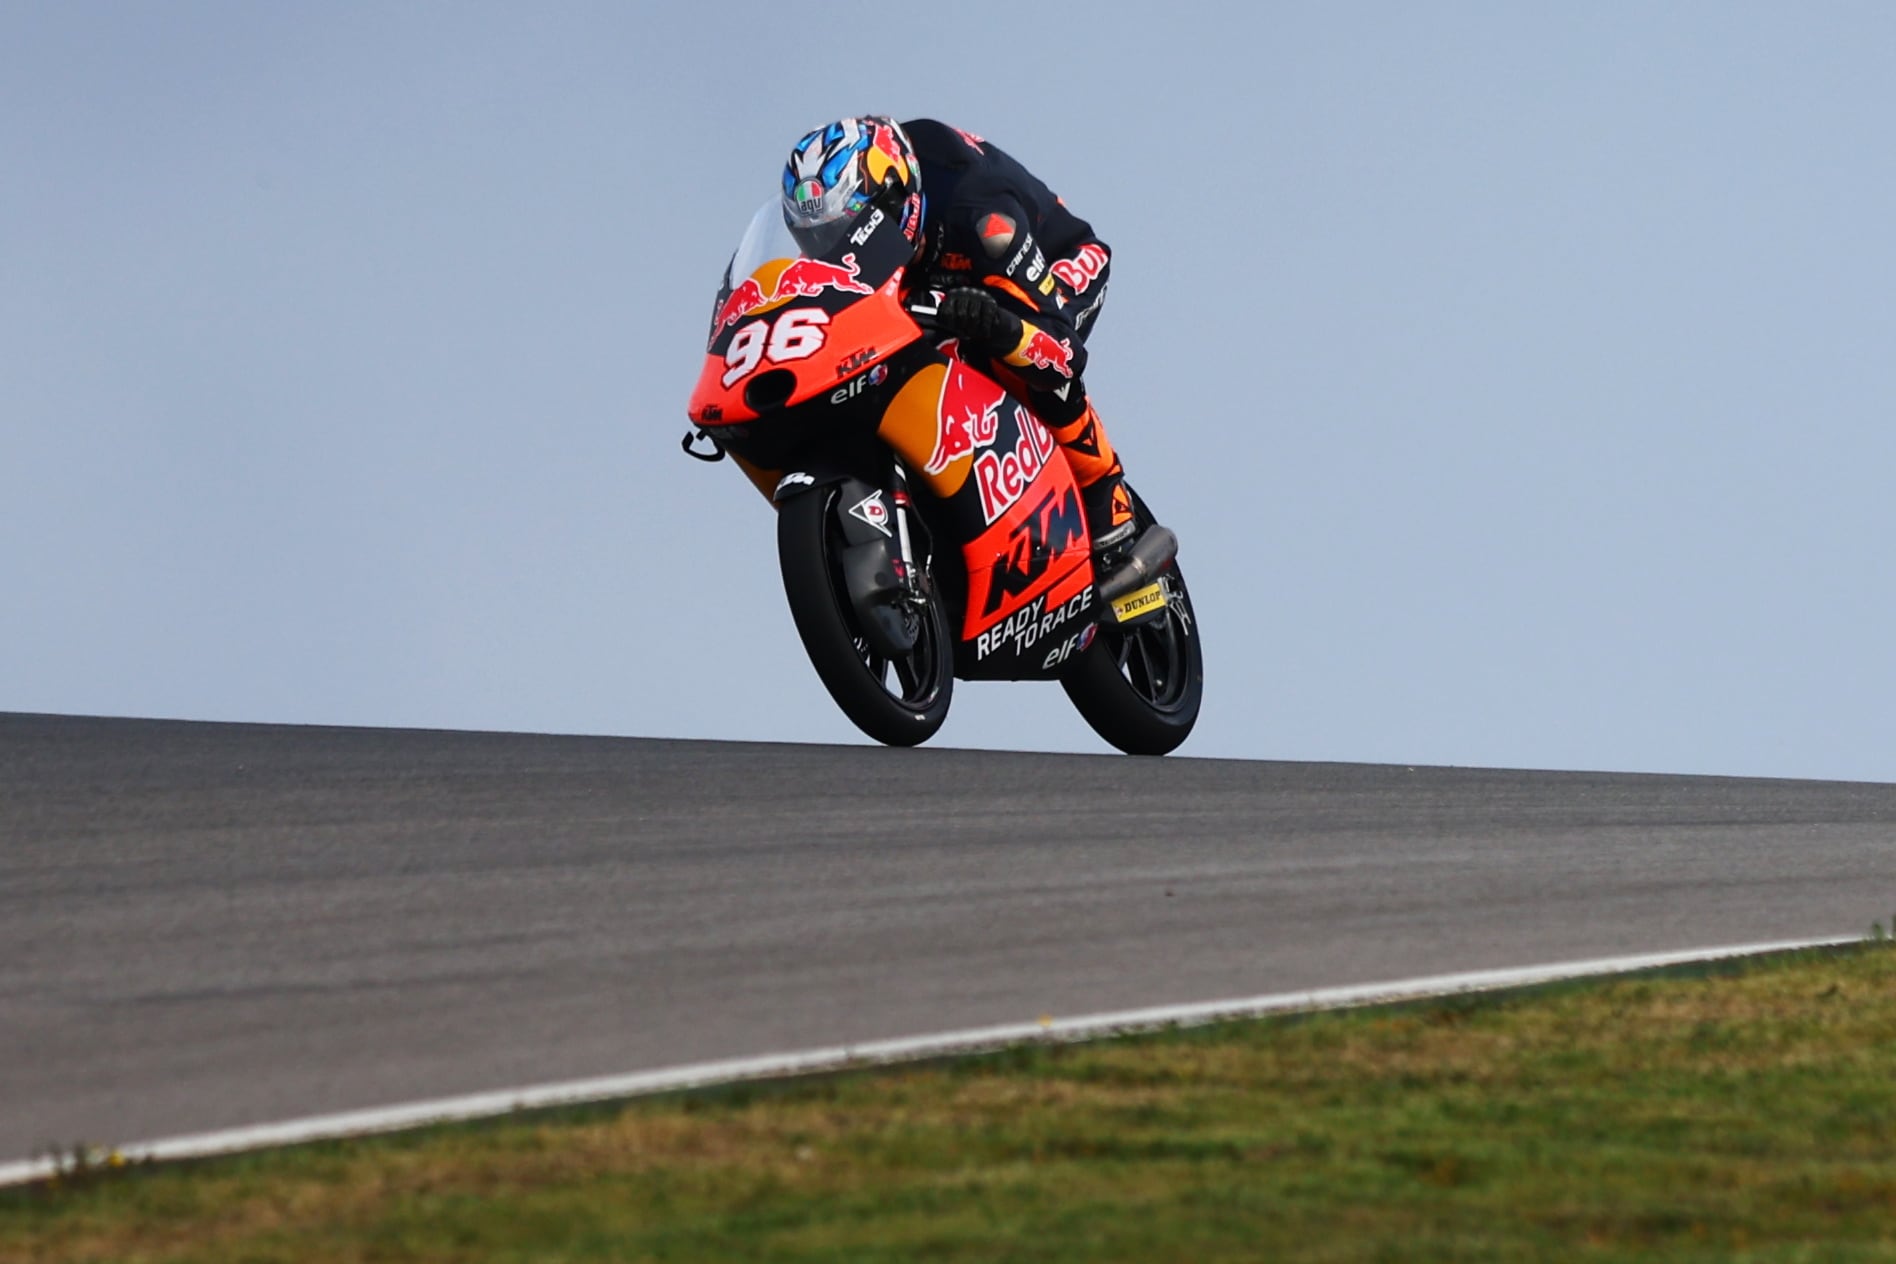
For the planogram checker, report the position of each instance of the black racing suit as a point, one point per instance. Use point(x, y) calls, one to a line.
point(990, 222)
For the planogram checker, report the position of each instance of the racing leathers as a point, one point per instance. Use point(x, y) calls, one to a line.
point(1024, 278)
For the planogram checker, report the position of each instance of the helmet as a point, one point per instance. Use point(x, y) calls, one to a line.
point(836, 171)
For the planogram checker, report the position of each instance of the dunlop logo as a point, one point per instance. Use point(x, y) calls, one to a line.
point(1132, 605)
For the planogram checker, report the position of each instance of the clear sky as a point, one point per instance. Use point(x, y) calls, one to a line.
point(1521, 379)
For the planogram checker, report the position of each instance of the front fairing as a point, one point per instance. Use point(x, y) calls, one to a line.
point(795, 319)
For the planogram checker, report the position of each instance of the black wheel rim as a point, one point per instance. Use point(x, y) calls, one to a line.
point(1154, 658)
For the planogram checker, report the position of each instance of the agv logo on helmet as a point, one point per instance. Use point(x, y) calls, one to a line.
point(835, 172)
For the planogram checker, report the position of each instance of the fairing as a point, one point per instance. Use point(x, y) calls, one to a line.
point(791, 321)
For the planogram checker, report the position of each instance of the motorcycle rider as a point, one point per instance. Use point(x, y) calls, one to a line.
point(1022, 277)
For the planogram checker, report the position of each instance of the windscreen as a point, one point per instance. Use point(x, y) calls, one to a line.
point(768, 237)
point(773, 263)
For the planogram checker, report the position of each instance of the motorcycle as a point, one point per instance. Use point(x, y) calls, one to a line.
point(928, 526)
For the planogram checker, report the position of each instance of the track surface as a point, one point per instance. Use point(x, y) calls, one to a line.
point(204, 926)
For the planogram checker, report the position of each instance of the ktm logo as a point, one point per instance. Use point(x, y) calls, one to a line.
point(1057, 525)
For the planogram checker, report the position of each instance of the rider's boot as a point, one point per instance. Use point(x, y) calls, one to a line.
point(1081, 435)
point(1124, 558)
point(1108, 511)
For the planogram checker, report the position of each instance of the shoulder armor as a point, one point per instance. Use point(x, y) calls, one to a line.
point(996, 232)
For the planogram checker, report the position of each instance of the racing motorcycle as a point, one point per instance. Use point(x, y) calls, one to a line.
point(928, 526)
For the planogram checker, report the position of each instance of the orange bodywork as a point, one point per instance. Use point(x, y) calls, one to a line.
point(1038, 548)
point(961, 435)
point(911, 426)
point(863, 333)
point(953, 425)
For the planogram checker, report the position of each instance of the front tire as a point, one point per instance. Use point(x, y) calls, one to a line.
point(897, 701)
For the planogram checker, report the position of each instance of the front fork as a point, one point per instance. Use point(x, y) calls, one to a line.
point(881, 579)
point(911, 574)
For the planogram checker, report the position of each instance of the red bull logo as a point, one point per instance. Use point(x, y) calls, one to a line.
point(804, 278)
point(810, 277)
point(891, 149)
point(969, 412)
point(1083, 268)
point(1004, 477)
point(744, 299)
point(1044, 351)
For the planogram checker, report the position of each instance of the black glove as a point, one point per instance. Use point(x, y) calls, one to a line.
point(975, 315)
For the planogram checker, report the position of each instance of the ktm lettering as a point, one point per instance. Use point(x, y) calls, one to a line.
point(1056, 526)
point(1005, 477)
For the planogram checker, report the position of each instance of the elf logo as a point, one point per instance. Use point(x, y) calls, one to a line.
point(860, 383)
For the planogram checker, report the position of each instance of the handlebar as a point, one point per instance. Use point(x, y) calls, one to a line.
point(924, 315)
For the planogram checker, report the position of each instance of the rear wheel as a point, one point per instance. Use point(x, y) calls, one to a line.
point(1140, 687)
point(898, 700)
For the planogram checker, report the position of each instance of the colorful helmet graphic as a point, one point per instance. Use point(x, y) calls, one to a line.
point(836, 171)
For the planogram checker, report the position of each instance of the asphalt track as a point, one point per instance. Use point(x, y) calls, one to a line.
point(207, 926)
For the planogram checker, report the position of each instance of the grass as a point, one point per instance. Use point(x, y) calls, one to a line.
point(1745, 1112)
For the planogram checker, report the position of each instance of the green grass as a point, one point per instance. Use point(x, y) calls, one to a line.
point(1744, 1112)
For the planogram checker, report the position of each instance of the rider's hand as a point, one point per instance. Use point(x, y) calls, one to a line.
point(975, 315)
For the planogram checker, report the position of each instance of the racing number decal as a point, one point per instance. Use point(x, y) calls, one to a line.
point(796, 335)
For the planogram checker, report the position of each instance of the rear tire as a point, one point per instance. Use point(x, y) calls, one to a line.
point(900, 701)
point(1140, 688)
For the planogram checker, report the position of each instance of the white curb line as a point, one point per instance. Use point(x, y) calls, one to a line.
point(876, 1052)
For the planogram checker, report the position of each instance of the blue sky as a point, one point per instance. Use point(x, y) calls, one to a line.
point(1518, 378)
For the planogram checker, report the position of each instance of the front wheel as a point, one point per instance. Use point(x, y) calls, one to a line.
point(899, 701)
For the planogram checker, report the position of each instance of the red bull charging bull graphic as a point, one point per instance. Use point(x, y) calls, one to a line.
point(804, 278)
point(1044, 351)
point(810, 277)
point(745, 299)
point(969, 410)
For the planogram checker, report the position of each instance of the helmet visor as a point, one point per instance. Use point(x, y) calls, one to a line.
point(818, 220)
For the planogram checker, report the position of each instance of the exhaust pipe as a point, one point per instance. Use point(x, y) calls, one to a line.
point(1150, 554)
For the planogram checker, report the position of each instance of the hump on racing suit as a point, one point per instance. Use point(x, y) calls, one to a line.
point(990, 222)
